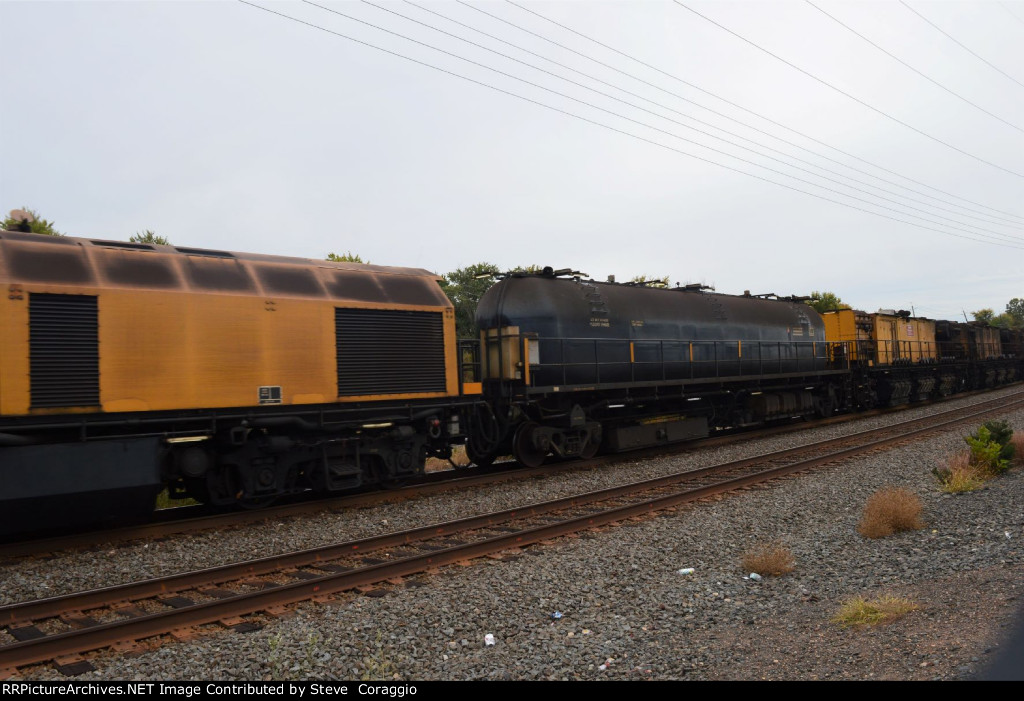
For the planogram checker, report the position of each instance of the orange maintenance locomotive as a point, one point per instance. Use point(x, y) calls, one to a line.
point(232, 378)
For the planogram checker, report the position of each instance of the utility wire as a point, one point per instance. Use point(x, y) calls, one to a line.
point(941, 31)
point(674, 121)
point(733, 104)
point(1012, 13)
point(984, 216)
point(650, 126)
point(852, 97)
point(614, 129)
point(898, 59)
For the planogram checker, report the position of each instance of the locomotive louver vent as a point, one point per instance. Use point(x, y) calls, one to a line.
point(64, 356)
point(389, 352)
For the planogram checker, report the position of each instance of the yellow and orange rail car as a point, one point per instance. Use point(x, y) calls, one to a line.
point(895, 357)
point(233, 377)
point(883, 338)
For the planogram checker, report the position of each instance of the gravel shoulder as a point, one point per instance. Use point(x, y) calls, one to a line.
point(624, 605)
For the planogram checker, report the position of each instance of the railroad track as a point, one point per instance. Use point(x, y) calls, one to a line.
point(59, 628)
point(196, 519)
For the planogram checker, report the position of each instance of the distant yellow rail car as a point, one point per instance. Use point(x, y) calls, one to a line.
point(895, 357)
point(882, 338)
point(971, 341)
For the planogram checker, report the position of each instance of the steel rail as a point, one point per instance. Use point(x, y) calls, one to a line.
point(95, 637)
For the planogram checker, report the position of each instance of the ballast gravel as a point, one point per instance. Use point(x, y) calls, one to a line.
point(626, 610)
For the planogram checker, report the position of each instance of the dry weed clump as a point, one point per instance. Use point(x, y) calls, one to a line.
point(959, 473)
point(769, 559)
point(860, 611)
point(890, 510)
point(1018, 448)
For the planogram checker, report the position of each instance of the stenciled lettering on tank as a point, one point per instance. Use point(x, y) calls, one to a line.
point(598, 307)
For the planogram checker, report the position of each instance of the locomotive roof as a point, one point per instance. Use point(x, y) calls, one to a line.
point(96, 263)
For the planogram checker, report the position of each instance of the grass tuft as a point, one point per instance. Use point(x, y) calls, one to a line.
point(377, 665)
point(767, 559)
point(890, 510)
point(859, 611)
point(959, 474)
point(294, 663)
point(164, 501)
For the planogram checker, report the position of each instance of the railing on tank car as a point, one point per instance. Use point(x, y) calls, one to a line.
point(575, 361)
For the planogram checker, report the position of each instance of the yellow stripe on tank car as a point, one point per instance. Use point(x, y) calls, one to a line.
point(526, 361)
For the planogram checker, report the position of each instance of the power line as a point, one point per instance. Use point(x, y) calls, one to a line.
point(941, 31)
point(650, 126)
point(733, 104)
point(898, 59)
point(843, 92)
point(674, 121)
point(987, 217)
point(612, 128)
point(1012, 13)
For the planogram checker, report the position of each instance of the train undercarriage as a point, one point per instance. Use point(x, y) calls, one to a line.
point(106, 469)
point(580, 424)
point(109, 469)
point(538, 425)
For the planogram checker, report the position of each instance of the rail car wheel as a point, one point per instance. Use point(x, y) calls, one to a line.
point(826, 407)
point(530, 446)
point(254, 503)
point(478, 459)
point(593, 444)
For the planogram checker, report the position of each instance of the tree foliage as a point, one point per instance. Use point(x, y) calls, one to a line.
point(346, 257)
point(826, 302)
point(1012, 318)
point(28, 220)
point(1004, 321)
point(149, 236)
point(984, 315)
point(464, 288)
point(1015, 309)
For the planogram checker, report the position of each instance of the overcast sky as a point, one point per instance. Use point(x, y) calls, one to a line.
point(221, 125)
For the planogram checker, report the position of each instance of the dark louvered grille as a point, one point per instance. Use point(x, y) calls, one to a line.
point(389, 352)
point(64, 351)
